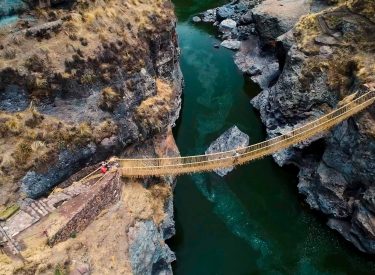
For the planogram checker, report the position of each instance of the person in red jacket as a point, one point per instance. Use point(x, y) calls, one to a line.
point(104, 167)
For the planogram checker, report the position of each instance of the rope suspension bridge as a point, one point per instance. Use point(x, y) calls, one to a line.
point(350, 106)
point(200, 163)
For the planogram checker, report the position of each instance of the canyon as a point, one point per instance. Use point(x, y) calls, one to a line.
point(83, 81)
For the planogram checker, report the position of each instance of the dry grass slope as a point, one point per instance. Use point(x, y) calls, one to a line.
point(155, 110)
point(88, 46)
point(353, 51)
point(29, 140)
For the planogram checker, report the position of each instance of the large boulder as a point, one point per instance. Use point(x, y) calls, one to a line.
point(208, 16)
point(231, 139)
point(12, 7)
point(224, 12)
point(35, 184)
point(275, 17)
point(231, 44)
point(262, 68)
point(227, 25)
point(247, 18)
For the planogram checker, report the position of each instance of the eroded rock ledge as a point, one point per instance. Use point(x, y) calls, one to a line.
point(307, 56)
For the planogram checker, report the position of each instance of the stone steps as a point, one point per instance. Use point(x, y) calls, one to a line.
point(47, 206)
point(10, 243)
point(33, 211)
point(29, 210)
point(3, 238)
point(38, 209)
point(29, 214)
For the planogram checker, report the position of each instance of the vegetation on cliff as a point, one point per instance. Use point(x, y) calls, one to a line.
point(30, 140)
point(341, 42)
point(81, 81)
point(68, 54)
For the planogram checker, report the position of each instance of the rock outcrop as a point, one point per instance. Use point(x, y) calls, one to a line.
point(274, 17)
point(262, 68)
point(231, 139)
point(307, 56)
point(231, 44)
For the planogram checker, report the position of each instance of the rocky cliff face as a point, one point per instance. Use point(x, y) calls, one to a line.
point(81, 81)
point(305, 67)
point(107, 226)
point(323, 65)
point(78, 84)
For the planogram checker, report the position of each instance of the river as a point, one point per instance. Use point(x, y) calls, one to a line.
point(252, 221)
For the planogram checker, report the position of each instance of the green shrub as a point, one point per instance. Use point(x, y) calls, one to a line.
point(59, 270)
point(8, 212)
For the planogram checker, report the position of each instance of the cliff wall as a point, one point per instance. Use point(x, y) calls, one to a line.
point(81, 81)
point(308, 56)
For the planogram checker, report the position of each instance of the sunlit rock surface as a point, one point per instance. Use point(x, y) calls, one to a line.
point(231, 139)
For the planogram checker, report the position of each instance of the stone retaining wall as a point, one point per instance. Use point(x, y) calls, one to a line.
point(77, 214)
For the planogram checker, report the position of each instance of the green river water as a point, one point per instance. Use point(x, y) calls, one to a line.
point(252, 221)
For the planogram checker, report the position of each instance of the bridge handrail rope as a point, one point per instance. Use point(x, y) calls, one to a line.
point(90, 174)
point(364, 97)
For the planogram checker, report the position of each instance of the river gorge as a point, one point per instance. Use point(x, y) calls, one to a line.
point(252, 221)
point(87, 86)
